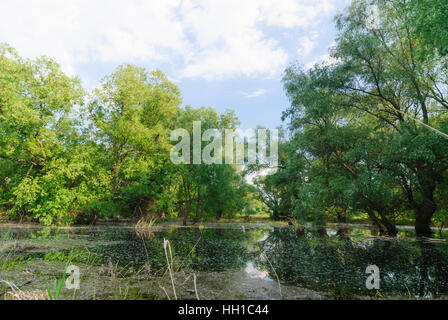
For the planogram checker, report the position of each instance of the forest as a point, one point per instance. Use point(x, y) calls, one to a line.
point(365, 137)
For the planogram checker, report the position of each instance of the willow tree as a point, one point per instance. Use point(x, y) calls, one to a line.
point(381, 74)
point(277, 189)
point(213, 189)
point(372, 123)
point(44, 170)
point(428, 21)
point(338, 152)
point(131, 117)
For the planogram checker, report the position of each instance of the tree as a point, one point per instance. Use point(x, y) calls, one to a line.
point(132, 116)
point(215, 189)
point(371, 124)
point(43, 170)
point(382, 75)
point(336, 174)
point(276, 186)
point(427, 21)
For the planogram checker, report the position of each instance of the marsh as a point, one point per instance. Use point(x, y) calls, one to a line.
point(225, 261)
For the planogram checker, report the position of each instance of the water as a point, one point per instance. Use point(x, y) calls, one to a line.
point(225, 261)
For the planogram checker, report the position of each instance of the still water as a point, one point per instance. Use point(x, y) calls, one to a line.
point(224, 261)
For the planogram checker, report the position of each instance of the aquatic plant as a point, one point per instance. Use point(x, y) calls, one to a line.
point(8, 235)
point(145, 223)
point(58, 284)
point(8, 263)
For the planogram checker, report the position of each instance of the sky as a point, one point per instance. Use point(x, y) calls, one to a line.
point(220, 53)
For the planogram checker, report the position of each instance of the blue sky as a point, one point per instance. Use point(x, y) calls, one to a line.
point(221, 53)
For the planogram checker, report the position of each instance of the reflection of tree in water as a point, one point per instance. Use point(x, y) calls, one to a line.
point(201, 250)
point(433, 267)
point(338, 264)
point(210, 249)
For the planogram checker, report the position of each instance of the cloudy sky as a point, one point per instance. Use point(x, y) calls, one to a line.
point(221, 53)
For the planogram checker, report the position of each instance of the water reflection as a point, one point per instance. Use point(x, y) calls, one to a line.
point(331, 260)
point(256, 273)
point(337, 264)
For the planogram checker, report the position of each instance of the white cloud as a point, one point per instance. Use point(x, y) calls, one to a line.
point(100, 30)
point(307, 43)
point(207, 39)
point(325, 59)
point(293, 13)
point(231, 41)
point(254, 94)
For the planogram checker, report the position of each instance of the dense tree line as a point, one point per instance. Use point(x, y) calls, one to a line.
point(68, 156)
point(367, 130)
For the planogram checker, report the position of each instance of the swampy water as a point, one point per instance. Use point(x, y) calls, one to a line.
point(224, 261)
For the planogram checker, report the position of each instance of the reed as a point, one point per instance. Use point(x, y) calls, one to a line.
point(16, 294)
point(145, 223)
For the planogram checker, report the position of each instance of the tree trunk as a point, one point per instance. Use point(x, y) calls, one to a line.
point(343, 233)
point(219, 214)
point(423, 217)
point(342, 215)
point(386, 227)
point(197, 217)
point(426, 209)
point(187, 211)
point(391, 229)
point(322, 231)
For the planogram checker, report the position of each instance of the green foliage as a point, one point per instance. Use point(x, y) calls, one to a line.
point(368, 131)
point(8, 264)
point(67, 157)
point(213, 190)
point(428, 21)
point(42, 176)
point(75, 255)
point(132, 116)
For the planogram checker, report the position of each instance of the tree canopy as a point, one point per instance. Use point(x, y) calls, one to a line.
point(368, 129)
point(68, 156)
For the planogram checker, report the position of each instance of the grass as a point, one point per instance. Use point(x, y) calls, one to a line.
point(74, 255)
point(8, 264)
point(6, 236)
point(169, 261)
point(58, 284)
point(145, 223)
point(16, 294)
point(276, 275)
point(172, 272)
point(3, 217)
